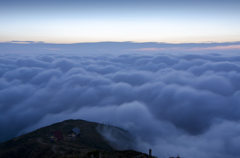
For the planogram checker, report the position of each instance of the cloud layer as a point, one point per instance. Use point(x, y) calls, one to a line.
point(186, 104)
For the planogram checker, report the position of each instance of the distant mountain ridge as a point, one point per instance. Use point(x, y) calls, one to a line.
point(91, 142)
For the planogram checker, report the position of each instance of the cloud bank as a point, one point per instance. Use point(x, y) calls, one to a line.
point(175, 103)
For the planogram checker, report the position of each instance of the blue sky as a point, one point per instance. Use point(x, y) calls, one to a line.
point(135, 20)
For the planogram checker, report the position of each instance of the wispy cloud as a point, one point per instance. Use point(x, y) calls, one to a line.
point(230, 47)
point(52, 48)
point(149, 49)
point(22, 42)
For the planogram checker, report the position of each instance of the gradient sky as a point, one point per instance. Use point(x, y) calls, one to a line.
point(73, 21)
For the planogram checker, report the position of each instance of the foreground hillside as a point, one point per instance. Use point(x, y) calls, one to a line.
point(89, 143)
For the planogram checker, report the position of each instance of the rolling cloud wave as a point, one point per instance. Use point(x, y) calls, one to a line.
point(175, 104)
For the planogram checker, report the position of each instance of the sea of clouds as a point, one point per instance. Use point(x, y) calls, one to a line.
point(174, 103)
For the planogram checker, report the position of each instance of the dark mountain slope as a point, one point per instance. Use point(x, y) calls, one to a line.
point(89, 142)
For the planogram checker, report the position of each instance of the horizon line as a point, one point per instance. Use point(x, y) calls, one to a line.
point(42, 42)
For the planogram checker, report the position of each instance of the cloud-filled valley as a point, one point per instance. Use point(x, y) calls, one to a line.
point(174, 103)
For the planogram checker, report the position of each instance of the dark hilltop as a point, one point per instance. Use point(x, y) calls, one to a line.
point(71, 138)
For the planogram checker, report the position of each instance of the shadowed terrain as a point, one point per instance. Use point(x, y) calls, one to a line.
point(89, 143)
